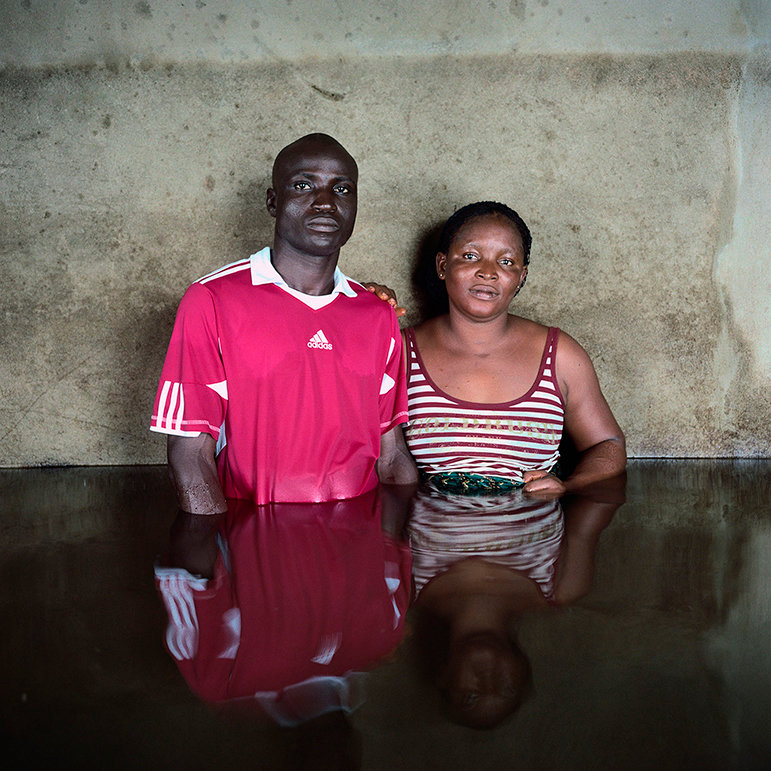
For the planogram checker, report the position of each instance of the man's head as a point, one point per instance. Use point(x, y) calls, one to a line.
point(313, 196)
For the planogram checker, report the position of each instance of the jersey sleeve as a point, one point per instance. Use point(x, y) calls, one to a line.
point(204, 627)
point(393, 388)
point(192, 394)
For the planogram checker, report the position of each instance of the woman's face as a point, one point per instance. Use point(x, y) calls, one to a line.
point(483, 680)
point(484, 266)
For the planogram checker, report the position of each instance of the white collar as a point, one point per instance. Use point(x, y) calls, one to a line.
point(263, 272)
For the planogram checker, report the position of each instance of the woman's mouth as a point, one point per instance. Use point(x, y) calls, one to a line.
point(483, 292)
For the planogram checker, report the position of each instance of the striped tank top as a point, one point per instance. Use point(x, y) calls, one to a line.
point(445, 434)
point(512, 530)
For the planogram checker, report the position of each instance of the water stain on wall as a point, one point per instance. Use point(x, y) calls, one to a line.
point(619, 164)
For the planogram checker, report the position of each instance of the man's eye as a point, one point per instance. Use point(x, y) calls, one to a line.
point(301, 186)
point(343, 189)
point(507, 261)
point(469, 256)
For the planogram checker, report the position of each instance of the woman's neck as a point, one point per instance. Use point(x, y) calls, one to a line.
point(476, 336)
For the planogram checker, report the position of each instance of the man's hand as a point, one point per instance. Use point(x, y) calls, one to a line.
point(193, 543)
point(386, 294)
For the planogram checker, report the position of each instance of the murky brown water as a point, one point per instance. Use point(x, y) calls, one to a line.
point(652, 651)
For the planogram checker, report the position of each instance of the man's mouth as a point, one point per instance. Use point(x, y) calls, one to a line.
point(323, 223)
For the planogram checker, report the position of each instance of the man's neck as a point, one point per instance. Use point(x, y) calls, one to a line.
point(306, 273)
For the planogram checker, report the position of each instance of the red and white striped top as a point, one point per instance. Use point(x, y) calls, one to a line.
point(512, 530)
point(446, 434)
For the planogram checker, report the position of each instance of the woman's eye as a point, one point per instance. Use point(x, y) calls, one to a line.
point(506, 261)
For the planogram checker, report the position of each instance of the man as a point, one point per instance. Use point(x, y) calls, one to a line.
point(283, 380)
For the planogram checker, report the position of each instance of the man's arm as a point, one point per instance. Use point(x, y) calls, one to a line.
point(193, 473)
point(395, 465)
point(398, 477)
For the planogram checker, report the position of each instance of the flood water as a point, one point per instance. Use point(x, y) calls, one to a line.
point(643, 617)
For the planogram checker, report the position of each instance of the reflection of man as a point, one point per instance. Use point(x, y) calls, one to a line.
point(290, 605)
point(283, 378)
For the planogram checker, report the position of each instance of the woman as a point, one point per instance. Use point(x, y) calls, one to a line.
point(479, 565)
point(491, 392)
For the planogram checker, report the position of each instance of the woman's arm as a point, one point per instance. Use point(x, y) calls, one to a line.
point(588, 421)
point(395, 465)
point(587, 514)
point(386, 294)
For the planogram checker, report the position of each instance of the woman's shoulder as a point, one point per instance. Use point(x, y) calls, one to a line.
point(569, 348)
point(424, 332)
point(572, 363)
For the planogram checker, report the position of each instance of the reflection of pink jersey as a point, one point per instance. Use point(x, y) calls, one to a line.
point(303, 393)
point(303, 596)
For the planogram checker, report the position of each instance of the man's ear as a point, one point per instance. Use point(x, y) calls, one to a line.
point(441, 264)
point(270, 201)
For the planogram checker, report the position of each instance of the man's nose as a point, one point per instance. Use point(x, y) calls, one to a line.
point(325, 199)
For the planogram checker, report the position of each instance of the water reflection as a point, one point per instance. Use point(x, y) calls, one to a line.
point(283, 609)
point(664, 663)
point(479, 564)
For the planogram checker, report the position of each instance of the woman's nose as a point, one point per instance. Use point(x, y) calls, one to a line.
point(487, 271)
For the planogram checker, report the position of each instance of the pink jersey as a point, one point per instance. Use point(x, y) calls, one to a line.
point(296, 395)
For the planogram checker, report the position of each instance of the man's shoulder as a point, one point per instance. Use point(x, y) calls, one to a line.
point(365, 299)
point(232, 271)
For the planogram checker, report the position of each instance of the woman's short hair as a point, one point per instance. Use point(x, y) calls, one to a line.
point(482, 209)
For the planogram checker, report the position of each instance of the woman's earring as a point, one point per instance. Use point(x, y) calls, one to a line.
point(441, 274)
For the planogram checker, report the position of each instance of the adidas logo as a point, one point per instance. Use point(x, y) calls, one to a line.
point(319, 340)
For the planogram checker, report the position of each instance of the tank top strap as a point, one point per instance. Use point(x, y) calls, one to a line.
point(548, 370)
point(413, 360)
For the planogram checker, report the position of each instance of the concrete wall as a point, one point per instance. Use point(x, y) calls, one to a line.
point(135, 147)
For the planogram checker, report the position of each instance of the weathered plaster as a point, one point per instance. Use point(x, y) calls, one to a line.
point(643, 176)
point(39, 32)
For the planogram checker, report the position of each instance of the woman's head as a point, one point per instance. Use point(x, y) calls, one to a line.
point(431, 288)
point(484, 209)
point(483, 259)
point(484, 680)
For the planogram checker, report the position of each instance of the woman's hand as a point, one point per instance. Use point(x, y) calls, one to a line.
point(542, 484)
point(386, 294)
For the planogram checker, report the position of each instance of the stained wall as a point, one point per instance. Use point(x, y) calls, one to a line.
point(136, 142)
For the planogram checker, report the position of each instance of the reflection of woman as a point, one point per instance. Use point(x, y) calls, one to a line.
point(479, 563)
point(490, 392)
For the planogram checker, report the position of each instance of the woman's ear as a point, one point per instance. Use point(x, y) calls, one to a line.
point(441, 264)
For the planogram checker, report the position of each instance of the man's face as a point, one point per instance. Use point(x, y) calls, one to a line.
point(313, 198)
